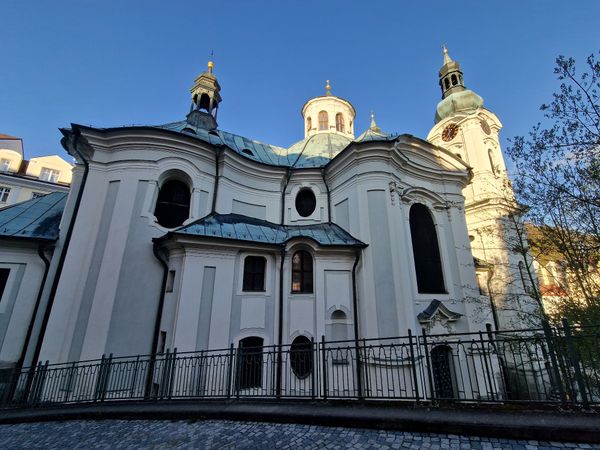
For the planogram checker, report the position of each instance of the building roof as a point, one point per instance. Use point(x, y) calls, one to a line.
point(242, 228)
point(7, 136)
point(34, 219)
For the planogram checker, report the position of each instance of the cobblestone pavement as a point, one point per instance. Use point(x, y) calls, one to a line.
point(212, 434)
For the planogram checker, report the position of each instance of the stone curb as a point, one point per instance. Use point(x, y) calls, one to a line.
point(516, 424)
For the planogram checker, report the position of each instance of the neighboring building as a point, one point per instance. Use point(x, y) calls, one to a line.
point(184, 235)
point(22, 179)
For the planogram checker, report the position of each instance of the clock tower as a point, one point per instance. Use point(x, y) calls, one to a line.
point(468, 130)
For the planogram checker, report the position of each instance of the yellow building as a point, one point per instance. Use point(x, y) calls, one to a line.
point(22, 179)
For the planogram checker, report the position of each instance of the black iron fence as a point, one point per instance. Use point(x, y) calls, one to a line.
point(558, 365)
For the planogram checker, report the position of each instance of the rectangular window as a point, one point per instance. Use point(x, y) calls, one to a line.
point(170, 281)
point(4, 165)
point(4, 191)
point(254, 274)
point(4, 273)
point(49, 175)
point(37, 195)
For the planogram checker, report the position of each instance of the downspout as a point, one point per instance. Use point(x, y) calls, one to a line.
point(356, 335)
point(288, 175)
point(63, 252)
point(492, 304)
point(280, 323)
point(218, 153)
point(38, 299)
point(157, 320)
point(328, 195)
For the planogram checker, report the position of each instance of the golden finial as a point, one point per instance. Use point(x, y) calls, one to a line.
point(211, 64)
point(447, 58)
point(327, 88)
point(374, 126)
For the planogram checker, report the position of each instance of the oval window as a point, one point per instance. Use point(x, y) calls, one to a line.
point(306, 202)
point(301, 357)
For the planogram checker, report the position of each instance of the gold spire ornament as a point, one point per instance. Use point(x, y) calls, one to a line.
point(447, 58)
point(211, 64)
point(327, 88)
point(374, 126)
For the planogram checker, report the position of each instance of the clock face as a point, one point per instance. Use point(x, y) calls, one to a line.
point(450, 132)
point(485, 127)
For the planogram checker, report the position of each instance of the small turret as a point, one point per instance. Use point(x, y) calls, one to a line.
point(206, 98)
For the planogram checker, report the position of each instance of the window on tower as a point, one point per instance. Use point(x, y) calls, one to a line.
point(339, 122)
point(447, 83)
point(426, 251)
point(308, 124)
point(204, 102)
point(454, 80)
point(323, 121)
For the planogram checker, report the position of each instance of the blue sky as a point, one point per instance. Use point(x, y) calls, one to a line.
point(112, 63)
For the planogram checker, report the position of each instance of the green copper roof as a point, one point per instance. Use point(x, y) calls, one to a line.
point(462, 101)
point(34, 219)
point(243, 228)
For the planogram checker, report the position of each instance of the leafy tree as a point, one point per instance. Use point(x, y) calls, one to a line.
point(558, 177)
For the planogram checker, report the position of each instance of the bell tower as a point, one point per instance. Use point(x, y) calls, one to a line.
point(206, 98)
point(471, 132)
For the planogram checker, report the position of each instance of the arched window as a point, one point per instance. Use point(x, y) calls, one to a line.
point(454, 80)
point(301, 357)
point(249, 363)
point(492, 166)
point(308, 124)
point(254, 274)
point(339, 325)
point(426, 251)
point(173, 204)
point(447, 83)
point(204, 102)
point(302, 272)
point(442, 368)
point(339, 122)
point(323, 121)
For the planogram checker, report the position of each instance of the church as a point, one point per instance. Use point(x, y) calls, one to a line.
point(187, 236)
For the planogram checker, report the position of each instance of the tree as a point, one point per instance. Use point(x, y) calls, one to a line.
point(558, 177)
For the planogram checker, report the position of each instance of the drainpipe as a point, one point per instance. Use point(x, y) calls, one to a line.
point(328, 195)
point(19, 365)
point(218, 153)
point(157, 320)
point(492, 304)
point(280, 323)
point(356, 335)
point(288, 175)
point(64, 250)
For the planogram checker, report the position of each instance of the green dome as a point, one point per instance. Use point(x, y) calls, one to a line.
point(461, 101)
point(321, 144)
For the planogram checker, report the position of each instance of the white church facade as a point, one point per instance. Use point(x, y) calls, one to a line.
point(186, 236)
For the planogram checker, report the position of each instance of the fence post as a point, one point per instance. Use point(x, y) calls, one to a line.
point(359, 371)
point(414, 365)
point(172, 367)
point(555, 369)
point(324, 362)
point(98, 390)
point(487, 366)
point(164, 379)
point(315, 361)
point(71, 374)
point(432, 392)
point(230, 371)
point(134, 377)
point(574, 357)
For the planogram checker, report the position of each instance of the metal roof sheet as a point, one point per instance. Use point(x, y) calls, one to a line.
point(34, 219)
point(243, 228)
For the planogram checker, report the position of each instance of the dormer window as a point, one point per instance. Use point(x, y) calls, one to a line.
point(323, 121)
point(339, 122)
point(51, 175)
